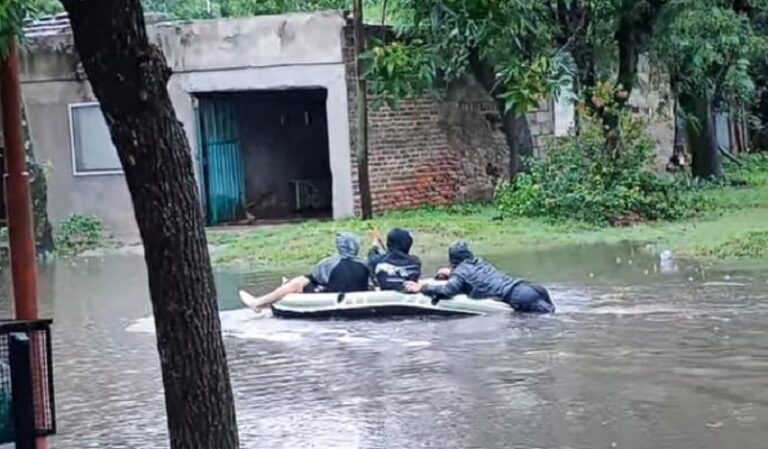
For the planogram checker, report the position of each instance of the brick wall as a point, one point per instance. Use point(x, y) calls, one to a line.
point(435, 152)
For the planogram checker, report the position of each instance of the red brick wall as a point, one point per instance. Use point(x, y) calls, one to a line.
point(430, 152)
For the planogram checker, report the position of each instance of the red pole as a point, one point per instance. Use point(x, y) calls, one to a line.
point(18, 203)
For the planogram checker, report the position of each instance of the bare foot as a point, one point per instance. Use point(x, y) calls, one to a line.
point(251, 301)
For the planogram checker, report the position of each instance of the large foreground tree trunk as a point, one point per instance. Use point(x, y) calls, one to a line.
point(516, 130)
point(701, 137)
point(129, 78)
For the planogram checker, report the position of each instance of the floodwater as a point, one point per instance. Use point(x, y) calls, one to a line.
point(643, 354)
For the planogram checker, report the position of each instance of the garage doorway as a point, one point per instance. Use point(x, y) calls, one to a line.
point(264, 156)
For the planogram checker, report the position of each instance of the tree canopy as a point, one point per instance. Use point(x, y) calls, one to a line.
point(523, 51)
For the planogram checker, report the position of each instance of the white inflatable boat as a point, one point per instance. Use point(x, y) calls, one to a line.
point(374, 304)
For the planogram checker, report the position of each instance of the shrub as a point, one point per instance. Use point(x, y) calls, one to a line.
point(79, 233)
point(752, 170)
point(600, 178)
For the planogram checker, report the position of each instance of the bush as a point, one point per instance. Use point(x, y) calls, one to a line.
point(79, 233)
point(599, 178)
point(752, 169)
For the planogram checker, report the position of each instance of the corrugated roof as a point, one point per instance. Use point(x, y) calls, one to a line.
point(46, 26)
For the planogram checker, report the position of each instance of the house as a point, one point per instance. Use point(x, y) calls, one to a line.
point(268, 105)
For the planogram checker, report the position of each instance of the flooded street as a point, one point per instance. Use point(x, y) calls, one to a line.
point(642, 355)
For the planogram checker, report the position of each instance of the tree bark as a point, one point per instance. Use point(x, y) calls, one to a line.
point(629, 56)
point(701, 138)
point(517, 133)
point(361, 142)
point(129, 78)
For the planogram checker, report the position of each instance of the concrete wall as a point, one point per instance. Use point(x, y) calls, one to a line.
point(652, 100)
point(268, 52)
point(50, 84)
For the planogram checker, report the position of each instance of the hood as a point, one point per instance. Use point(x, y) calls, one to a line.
point(347, 244)
point(399, 240)
point(459, 252)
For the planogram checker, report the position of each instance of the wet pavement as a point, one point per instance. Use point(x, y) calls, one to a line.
point(643, 354)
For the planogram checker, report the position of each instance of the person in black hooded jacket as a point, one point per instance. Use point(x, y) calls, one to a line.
point(392, 266)
point(479, 279)
point(341, 273)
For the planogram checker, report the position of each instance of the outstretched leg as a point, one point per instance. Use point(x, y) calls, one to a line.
point(295, 285)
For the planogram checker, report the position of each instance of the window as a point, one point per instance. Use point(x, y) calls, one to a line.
point(92, 150)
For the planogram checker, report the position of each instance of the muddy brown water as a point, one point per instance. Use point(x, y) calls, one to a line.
point(642, 355)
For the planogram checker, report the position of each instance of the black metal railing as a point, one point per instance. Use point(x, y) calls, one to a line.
point(27, 408)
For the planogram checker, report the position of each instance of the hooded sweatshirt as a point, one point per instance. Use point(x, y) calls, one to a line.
point(473, 277)
point(392, 268)
point(344, 272)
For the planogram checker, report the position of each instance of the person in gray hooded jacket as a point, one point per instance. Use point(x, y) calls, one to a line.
point(479, 279)
point(342, 273)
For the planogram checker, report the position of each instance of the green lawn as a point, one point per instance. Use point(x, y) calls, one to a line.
point(734, 226)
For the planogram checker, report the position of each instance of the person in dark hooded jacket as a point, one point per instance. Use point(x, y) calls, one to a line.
point(342, 273)
point(392, 266)
point(479, 279)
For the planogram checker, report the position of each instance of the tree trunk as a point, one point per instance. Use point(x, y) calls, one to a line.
point(129, 78)
point(517, 133)
point(361, 142)
point(629, 56)
point(701, 138)
point(39, 192)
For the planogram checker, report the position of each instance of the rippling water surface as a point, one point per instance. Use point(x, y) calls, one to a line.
point(642, 355)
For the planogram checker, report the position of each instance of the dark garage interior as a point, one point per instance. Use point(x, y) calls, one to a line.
point(265, 156)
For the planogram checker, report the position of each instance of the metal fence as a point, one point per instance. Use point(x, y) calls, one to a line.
point(26, 372)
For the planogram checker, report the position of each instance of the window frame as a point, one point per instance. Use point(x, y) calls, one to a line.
point(73, 153)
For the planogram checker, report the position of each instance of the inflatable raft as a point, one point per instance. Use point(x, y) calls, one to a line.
point(378, 304)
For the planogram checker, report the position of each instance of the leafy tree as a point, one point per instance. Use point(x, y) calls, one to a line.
point(756, 12)
point(706, 47)
point(129, 77)
point(505, 44)
point(606, 38)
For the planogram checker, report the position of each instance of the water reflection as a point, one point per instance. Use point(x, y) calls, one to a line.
point(636, 358)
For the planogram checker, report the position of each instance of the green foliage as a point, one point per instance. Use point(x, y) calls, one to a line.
point(79, 233)
point(253, 7)
point(445, 39)
point(752, 244)
point(399, 70)
point(587, 179)
point(202, 9)
point(752, 170)
point(12, 15)
point(45, 7)
point(706, 46)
